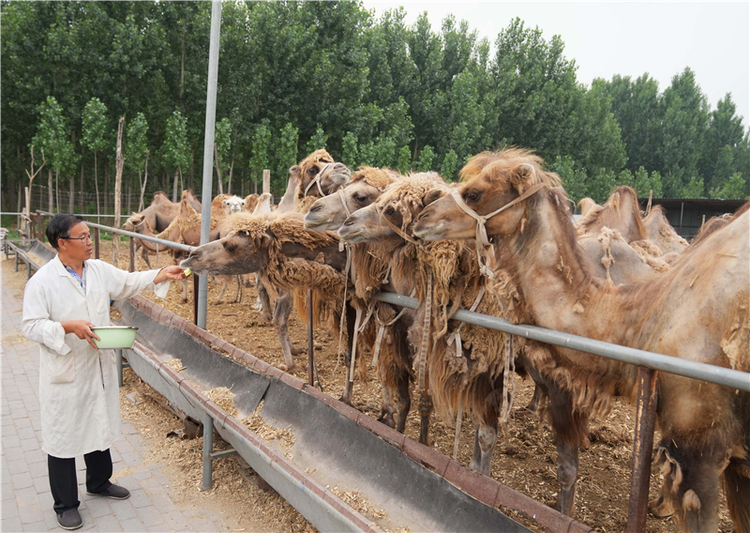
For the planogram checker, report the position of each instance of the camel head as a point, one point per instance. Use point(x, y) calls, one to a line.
point(239, 251)
point(319, 175)
point(329, 212)
point(394, 212)
point(233, 254)
point(491, 181)
point(233, 204)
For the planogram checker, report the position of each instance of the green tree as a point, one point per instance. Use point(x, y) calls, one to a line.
point(223, 141)
point(136, 148)
point(404, 160)
point(684, 129)
point(94, 124)
point(723, 137)
point(643, 182)
point(176, 150)
point(317, 141)
point(260, 158)
point(286, 155)
point(425, 160)
point(52, 139)
point(733, 188)
point(573, 177)
point(450, 166)
point(349, 154)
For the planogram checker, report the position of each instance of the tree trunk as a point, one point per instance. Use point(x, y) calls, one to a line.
point(57, 191)
point(229, 183)
point(71, 199)
point(96, 187)
point(119, 163)
point(143, 186)
point(83, 199)
point(174, 184)
point(105, 203)
point(218, 170)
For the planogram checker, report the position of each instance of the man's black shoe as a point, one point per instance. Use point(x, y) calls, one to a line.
point(70, 519)
point(115, 492)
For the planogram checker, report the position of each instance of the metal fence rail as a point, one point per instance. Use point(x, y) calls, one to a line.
point(691, 369)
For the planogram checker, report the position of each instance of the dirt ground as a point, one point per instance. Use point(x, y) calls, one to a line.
point(524, 459)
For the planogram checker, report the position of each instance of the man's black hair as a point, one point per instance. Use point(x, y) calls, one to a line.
point(59, 227)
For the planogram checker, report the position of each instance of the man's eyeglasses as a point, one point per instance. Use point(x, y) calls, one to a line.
point(85, 238)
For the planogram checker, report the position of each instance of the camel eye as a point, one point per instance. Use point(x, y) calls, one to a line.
point(312, 170)
point(389, 211)
point(472, 196)
point(230, 247)
point(360, 198)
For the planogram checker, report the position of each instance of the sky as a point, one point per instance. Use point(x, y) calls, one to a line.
point(626, 38)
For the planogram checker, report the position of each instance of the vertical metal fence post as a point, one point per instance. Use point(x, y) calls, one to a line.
point(310, 344)
point(208, 446)
point(643, 444)
point(96, 243)
point(118, 356)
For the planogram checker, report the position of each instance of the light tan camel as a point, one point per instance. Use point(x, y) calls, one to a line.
point(699, 310)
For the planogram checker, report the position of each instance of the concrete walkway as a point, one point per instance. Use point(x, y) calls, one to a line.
point(26, 498)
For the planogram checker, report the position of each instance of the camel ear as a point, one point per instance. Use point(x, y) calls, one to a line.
point(523, 175)
point(432, 195)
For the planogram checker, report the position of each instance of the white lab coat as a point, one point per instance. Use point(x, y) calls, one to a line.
point(78, 388)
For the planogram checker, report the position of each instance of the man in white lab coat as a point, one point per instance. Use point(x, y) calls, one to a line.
point(78, 387)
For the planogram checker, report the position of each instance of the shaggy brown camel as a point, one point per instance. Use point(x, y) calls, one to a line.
point(292, 257)
point(705, 427)
point(391, 356)
point(458, 367)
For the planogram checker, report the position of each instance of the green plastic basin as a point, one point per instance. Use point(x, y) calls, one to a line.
point(117, 337)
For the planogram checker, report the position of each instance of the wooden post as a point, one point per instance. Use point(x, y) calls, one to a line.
point(119, 162)
point(650, 197)
point(131, 266)
point(266, 180)
point(643, 444)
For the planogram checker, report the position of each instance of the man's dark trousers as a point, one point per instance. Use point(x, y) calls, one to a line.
point(64, 483)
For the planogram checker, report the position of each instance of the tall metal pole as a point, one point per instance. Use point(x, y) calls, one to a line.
point(208, 150)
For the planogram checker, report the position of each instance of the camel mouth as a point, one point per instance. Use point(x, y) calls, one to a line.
point(312, 224)
point(429, 231)
point(350, 235)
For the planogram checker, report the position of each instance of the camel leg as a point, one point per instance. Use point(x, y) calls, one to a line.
point(263, 303)
point(184, 291)
point(238, 295)
point(353, 317)
point(387, 409)
point(485, 437)
point(533, 406)
point(660, 507)
point(570, 430)
point(403, 348)
point(221, 293)
point(693, 482)
point(425, 410)
point(281, 320)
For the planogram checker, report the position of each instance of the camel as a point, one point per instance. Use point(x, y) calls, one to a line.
point(159, 215)
point(705, 427)
point(660, 233)
point(458, 366)
point(233, 204)
point(291, 256)
point(316, 175)
point(366, 185)
point(391, 356)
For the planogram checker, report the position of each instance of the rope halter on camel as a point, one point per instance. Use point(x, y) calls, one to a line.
point(398, 231)
point(482, 240)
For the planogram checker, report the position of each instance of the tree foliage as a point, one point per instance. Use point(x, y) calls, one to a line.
point(369, 90)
